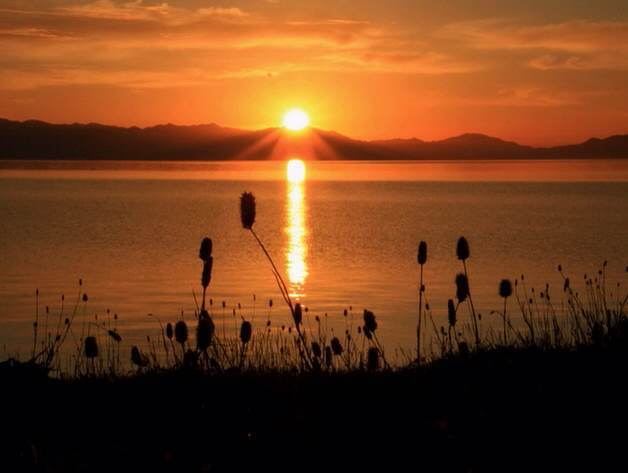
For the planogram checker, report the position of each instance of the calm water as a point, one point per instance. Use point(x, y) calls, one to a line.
point(346, 236)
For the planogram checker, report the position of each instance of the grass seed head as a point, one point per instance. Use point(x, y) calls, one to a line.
point(91, 347)
point(246, 330)
point(181, 332)
point(451, 312)
point(247, 210)
point(505, 288)
point(114, 335)
point(422, 253)
point(462, 249)
point(205, 251)
point(206, 276)
point(298, 314)
point(370, 323)
point(462, 287)
point(204, 332)
point(138, 358)
point(336, 346)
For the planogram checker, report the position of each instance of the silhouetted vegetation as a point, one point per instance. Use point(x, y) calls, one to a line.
point(71, 343)
point(257, 396)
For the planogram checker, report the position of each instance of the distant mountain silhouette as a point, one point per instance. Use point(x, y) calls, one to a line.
point(39, 140)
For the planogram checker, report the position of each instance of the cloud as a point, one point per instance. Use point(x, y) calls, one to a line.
point(582, 62)
point(31, 33)
point(572, 45)
point(136, 21)
point(532, 96)
point(137, 44)
point(219, 11)
point(401, 62)
point(574, 36)
point(16, 80)
point(107, 9)
point(138, 10)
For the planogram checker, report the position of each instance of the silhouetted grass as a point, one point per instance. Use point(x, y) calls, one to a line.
point(499, 409)
point(213, 394)
point(588, 317)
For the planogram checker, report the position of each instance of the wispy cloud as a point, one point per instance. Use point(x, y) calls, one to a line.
point(610, 60)
point(401, 62)
point(531, 96)
point(574, 45)
point(575, 36)
point(107, 9)
point(27, 32)
point(88, 41)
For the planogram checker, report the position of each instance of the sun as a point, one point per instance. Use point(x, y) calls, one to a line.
point(295, 119)
point(295, 171)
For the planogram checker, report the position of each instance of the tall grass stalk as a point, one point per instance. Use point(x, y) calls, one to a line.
point(421, 259)
point(463, 252)
point(247, 215)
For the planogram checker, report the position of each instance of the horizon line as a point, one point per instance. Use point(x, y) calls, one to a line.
point(273, 128)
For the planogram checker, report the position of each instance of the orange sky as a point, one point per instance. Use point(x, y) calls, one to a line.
point(537, 72)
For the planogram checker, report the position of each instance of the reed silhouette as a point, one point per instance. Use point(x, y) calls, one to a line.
point(505, 291)
point(591, 317)
point(421, 259)
point(197, 398)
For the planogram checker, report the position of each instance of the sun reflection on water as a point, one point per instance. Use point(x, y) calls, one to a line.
point(296, 251)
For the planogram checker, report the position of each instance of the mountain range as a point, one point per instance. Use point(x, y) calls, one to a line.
point(33, 139)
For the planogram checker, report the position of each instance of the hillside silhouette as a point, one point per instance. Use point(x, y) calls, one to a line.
point(33, 139)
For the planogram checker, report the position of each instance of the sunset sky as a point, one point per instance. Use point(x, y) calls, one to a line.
point(538, 72)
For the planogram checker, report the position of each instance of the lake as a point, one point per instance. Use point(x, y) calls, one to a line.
point(346, 236)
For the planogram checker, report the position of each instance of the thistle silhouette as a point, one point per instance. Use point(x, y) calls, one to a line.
point(451, 317)
point(138, 358)
point(462, 287)
point(247, 215)
point(204, 332)
point(245, 332)
point(368, 329)
point(463, 253)
point(505, 291)
point(90, 347)
point(181, 334)
point(421, 259)
point(205, 254)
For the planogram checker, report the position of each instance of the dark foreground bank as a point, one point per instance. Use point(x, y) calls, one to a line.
point(502, 410)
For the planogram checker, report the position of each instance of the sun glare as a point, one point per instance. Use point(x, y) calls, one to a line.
point(295, 119)
point(295, 170)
